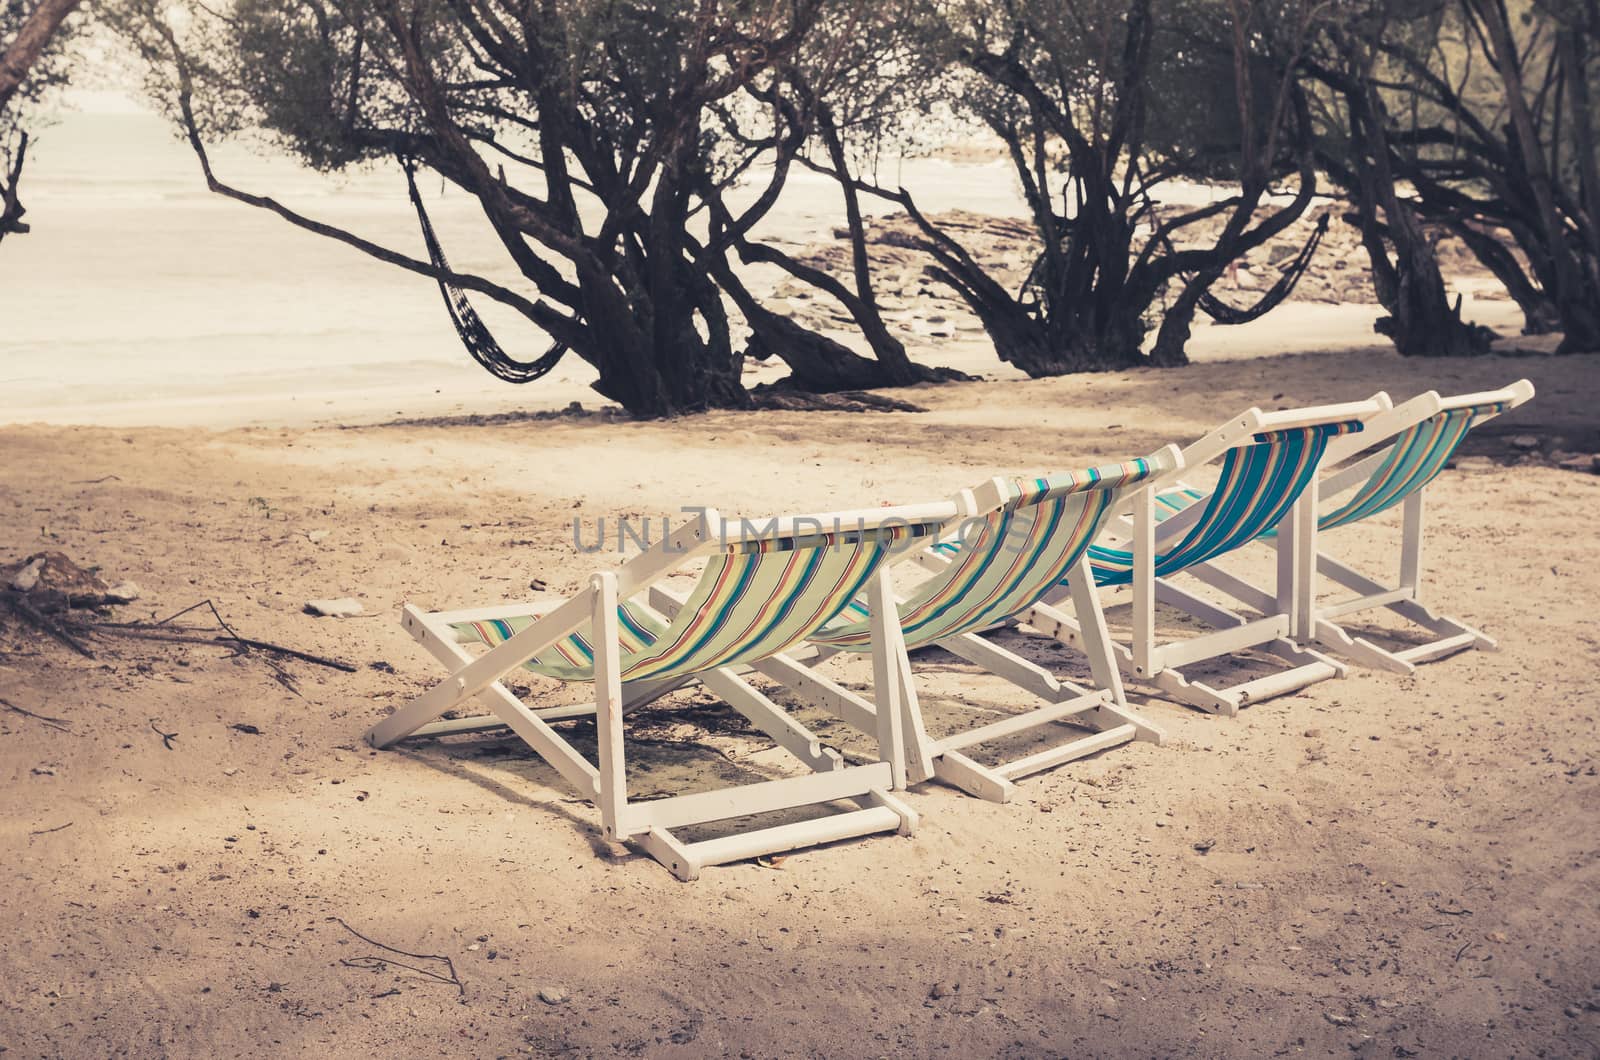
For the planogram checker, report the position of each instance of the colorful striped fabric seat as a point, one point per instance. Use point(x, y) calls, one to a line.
point(753, 599)
point(1007, 563)
point(1415, 459)
point(1259, 484)
point(1402, 451)
point(762, 587)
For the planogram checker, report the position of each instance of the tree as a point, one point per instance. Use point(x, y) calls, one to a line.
point(1481, 111)
point(1358, 151)
point(1098, 102)
point(846, 78)
point(32, 64)
point(590, 133)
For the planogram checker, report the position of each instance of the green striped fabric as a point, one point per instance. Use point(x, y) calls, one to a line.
point(1171, 502)
point(1005, 562)
point(753, 600)
point(1416, 458)
point(1259, 484)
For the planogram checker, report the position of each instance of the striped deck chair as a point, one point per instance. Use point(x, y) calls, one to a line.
point(1418, 439)
point(764, 587)
point(1268, 460)
point(1034, 535)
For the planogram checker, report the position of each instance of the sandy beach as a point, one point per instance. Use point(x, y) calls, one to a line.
point(1379, 865)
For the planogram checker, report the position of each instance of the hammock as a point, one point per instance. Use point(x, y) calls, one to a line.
point(474, 334)
point(1223, 313)
point(1033, 296)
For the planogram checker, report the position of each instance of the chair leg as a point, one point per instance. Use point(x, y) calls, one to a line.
point(608, 706)
point(772, 720)
point(1362, 651)
point(1306, 667)
point(1450, 635)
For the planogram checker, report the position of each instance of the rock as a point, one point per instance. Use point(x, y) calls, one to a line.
point(940, 990)
point(1204, 846)
point(1582, 463)
point(316, 537)
point(28, 576)
point(52, 573)
point(552, 995)
point(124, 593)
point(1525, 442)
point(1338, 1020)
point(341, 608)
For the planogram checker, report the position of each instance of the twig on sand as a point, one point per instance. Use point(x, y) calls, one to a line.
point(279, 674)
point(166, 737)
point(376, 962)
point(95, 481)
point(54, 723)
point(149, 632)
point(47, 831)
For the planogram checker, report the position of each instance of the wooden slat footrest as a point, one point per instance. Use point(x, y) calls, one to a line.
point(1438, 649)
point(751, 799)
point(1365, 603)
point(880, 812)
point(485, 722)
point(1112, 737)
point(1024, 722)
point(783, 837)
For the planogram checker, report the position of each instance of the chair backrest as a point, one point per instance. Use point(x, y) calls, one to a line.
point(1010, 558)
point(1421, 451)
point(1263, 474)
point(764, 587)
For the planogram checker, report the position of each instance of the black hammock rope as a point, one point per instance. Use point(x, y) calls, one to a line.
point(1228, 315)
point(1034, 295)
point(474, 334)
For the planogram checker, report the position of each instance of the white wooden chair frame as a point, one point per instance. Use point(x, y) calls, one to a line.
point(1160, 663)
point(1313, 622)
point(650, 824)
point(1103, 710)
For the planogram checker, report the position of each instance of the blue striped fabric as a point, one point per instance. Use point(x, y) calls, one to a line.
point(1258, 486)
point(1416, 458)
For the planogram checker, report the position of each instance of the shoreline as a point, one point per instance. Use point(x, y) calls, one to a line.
point(375, 394)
